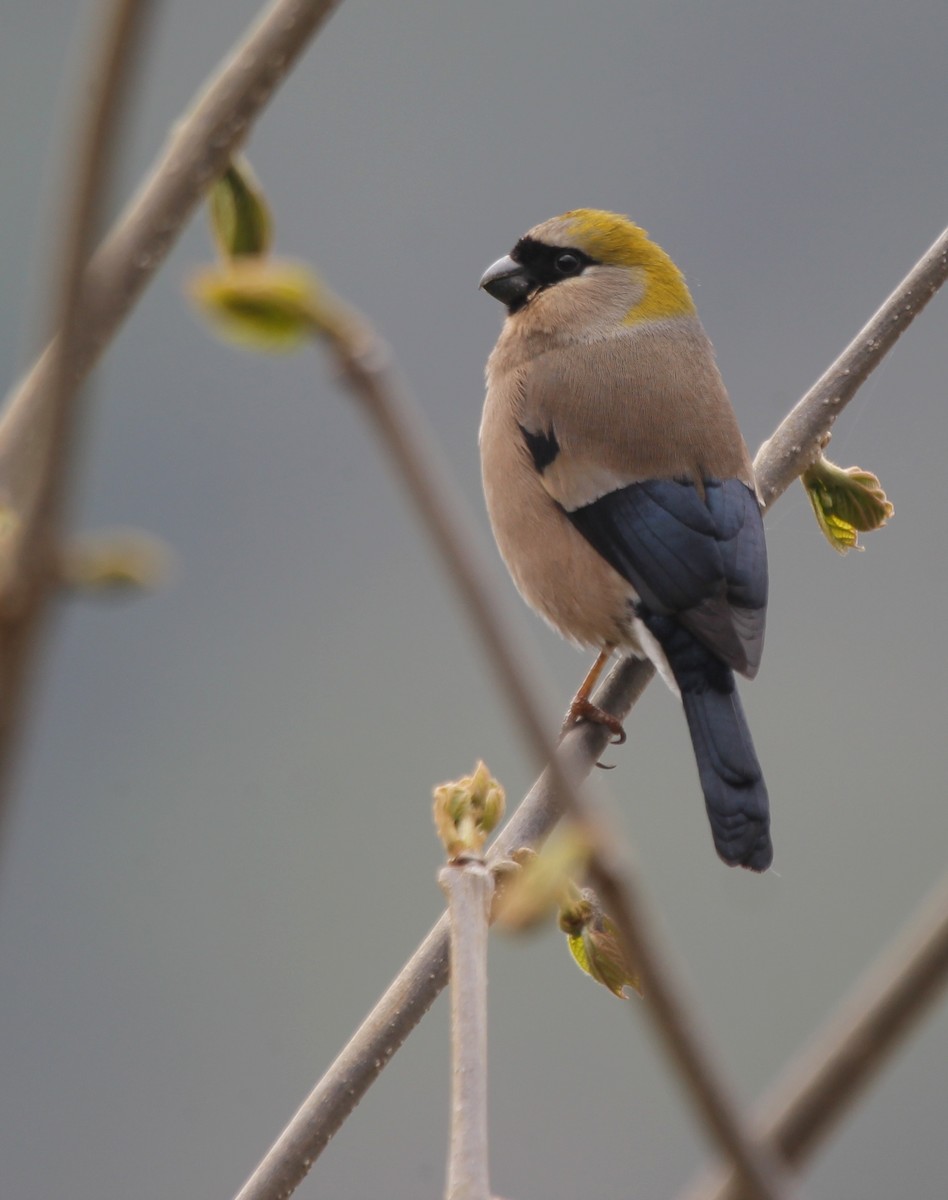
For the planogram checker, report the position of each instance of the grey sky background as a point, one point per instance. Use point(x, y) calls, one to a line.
point(221, 848)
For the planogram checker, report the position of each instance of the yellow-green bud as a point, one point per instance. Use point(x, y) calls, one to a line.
point(261, 303)
point(240, 217)
point(594, 943)
point(846, 502)
point(466, 810)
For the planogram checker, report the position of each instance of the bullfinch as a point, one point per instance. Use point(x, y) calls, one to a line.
point(620, 490)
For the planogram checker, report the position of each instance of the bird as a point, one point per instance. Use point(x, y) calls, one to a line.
point(621, 493)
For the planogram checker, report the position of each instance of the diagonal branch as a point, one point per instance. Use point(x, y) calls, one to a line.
point(800, 435)
point(414, 990)
point(828, 1076)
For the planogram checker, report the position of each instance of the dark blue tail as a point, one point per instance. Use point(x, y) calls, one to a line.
point(731, 779)
point(734, 790)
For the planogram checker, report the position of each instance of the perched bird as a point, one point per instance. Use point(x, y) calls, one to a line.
point(621, 492)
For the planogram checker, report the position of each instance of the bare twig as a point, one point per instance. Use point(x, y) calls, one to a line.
point(799, 437)
point(827, 1077)
point(417, 985)
point(469, 887)
point(32, 551)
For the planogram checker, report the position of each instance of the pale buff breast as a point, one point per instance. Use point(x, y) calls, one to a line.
point(553, 566)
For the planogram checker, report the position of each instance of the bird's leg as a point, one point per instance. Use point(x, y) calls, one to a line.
point(583, 709)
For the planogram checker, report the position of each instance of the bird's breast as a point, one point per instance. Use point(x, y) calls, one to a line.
point(554, 568)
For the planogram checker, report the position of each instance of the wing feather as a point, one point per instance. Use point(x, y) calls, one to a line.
point(699, 558)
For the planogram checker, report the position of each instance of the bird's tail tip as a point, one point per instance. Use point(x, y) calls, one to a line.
point(734, 790)
point(751, 848)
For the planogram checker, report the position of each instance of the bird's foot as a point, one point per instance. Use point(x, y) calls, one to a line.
point(583, 709)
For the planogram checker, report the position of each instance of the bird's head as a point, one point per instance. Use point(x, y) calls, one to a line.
point(590, 269)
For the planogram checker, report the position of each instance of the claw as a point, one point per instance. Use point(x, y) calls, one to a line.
point(584, 710)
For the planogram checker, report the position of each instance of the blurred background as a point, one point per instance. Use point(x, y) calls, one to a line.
point(221, 849)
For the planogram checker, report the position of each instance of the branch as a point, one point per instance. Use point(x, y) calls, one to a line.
point(801, 435)
point(465, 812)
point(827, 1077)
point(468, 887)
point(200, 147)
point(416, 987)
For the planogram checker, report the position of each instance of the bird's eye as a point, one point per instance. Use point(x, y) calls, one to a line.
point(567, 263)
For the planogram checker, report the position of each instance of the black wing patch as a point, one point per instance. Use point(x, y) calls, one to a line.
point(543, 447)
point(700, 559)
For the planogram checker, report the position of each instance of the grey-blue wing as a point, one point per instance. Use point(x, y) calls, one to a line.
point(700, 559)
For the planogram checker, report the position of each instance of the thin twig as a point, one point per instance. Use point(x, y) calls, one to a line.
point(469, 887)
point(800, 435)
point(32, 552)
point(200, 147)
point(827, 1077)
point(417, 985)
